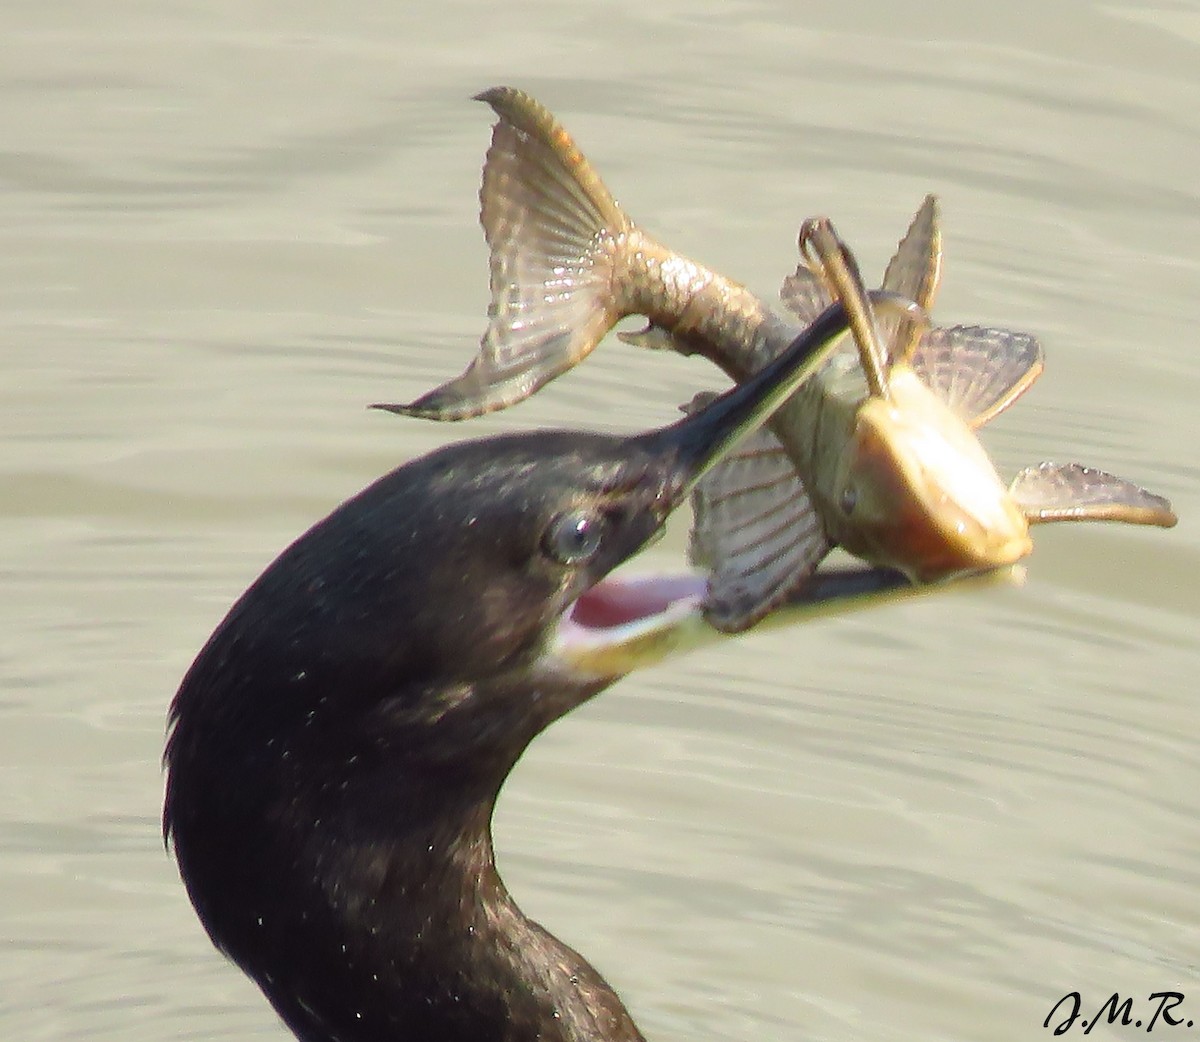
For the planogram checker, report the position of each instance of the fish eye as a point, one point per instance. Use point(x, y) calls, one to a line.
point(574, 537)
point(849, 499)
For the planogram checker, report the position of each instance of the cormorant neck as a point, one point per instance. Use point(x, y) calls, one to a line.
point(351, 874)
point(415, 937)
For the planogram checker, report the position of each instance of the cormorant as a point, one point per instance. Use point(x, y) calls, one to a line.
point(338, 745)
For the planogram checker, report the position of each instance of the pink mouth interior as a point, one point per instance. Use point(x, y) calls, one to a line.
point(615, 602)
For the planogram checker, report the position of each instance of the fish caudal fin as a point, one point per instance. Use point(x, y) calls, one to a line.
point(914, 273)
point(755, 531)
point(552, 228)
point(1073, 492)
point(978, 372)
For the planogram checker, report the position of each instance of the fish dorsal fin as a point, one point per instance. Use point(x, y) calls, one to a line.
point(550, 224)
point(755, 531)
point(1073, 492)
point(805, 294)
point(914, 272)
point(977, 371)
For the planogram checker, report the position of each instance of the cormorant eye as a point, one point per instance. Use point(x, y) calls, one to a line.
point(849, 499)
point(574, 537)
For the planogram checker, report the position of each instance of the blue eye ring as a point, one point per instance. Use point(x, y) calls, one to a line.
point(574, 537)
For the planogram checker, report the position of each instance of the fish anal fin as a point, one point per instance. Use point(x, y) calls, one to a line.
point(976, 370)
point(1073, 492)
point(755, 531)
point(553, 230)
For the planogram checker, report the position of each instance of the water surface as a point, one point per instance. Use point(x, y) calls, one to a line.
point(225, 228)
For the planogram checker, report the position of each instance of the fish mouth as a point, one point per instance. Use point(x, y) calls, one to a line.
point(941, 507)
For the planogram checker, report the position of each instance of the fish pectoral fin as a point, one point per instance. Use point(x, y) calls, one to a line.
point(1073, 492)
point(977, 371)
point(914, 273)
point(805, 294)
point(755, 531)
point(551, 225)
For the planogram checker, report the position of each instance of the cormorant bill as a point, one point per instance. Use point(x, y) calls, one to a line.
point(338, 745)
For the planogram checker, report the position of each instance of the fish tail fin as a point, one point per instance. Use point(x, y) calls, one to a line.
point(556, 237)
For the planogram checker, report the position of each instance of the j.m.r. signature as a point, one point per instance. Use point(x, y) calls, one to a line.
point(1160, 1009)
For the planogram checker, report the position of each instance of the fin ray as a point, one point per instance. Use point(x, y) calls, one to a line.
point(552, 227)
point(976, 370)
point(755, 530)
point(1073, 492)
point(805, 294)
point(914, 271)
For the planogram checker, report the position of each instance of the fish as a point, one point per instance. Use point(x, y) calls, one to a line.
point(876, 453)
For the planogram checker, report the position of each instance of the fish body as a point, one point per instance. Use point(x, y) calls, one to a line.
point(876, 452)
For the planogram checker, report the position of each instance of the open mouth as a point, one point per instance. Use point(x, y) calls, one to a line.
point(624, 623)
point(629, 601)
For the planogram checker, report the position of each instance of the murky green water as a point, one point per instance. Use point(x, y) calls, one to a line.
point(224, 228)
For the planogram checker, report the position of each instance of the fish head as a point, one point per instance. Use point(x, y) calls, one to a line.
point(914, 489)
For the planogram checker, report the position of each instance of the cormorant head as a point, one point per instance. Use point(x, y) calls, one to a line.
point(447, 613)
